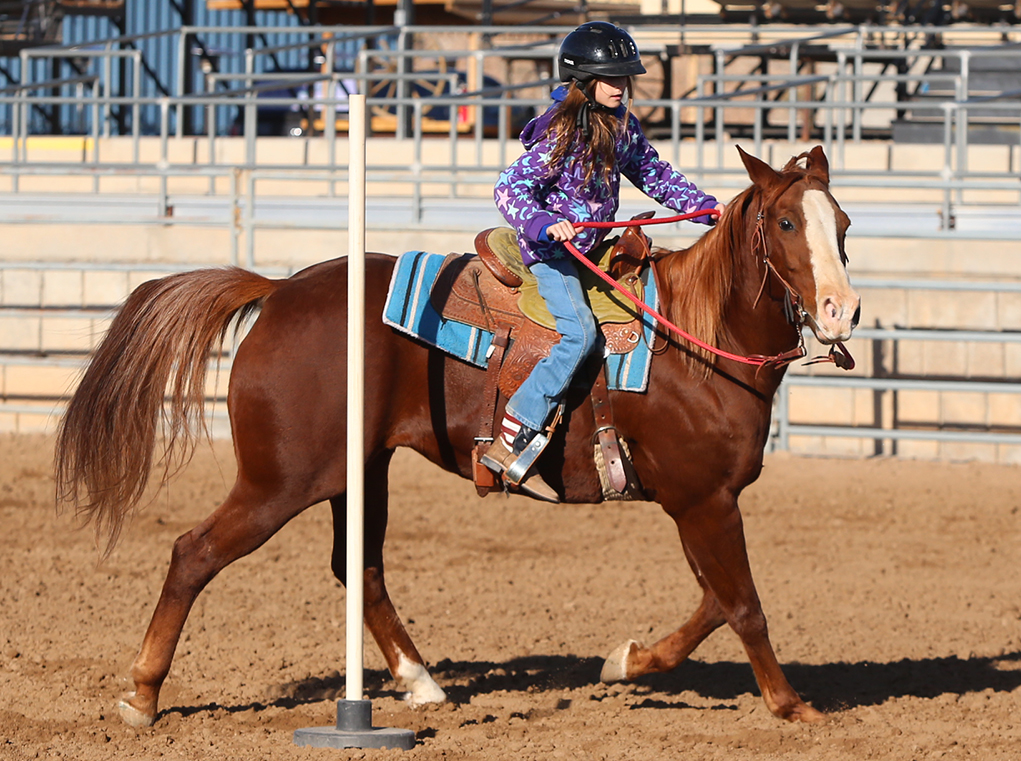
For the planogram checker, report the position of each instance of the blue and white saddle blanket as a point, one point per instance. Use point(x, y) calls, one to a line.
point(409, 310)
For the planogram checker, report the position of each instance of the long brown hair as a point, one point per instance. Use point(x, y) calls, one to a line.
point(598, 151)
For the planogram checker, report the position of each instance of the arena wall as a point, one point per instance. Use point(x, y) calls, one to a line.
point(52, 334)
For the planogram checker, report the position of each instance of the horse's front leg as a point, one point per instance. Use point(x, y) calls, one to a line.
point(713, 537)
point(632, 660)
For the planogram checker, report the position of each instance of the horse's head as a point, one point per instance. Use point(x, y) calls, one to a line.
point(801, 229)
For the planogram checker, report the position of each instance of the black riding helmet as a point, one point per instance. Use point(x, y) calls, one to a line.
point(598, 49)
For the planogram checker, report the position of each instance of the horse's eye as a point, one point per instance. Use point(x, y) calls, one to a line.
point(786, 225)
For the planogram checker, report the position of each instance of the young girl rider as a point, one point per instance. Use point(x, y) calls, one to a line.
point(570, 172)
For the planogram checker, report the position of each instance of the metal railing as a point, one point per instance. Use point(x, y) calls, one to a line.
point(234, 198)
point(853, 46)
point(950, 174)
point(888, 427)
point(836, 115)
point(886, 382)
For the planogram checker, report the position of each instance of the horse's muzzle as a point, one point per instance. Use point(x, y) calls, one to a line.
point(836, 317)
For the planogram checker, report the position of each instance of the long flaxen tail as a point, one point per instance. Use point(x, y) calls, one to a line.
point(156, 351)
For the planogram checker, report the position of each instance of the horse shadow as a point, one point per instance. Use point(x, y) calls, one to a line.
point(829, 687)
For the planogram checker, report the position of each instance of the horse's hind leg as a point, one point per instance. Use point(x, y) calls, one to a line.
point(402, 657)
point(240, 525)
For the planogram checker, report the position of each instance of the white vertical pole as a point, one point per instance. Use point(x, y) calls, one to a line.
point(355, 394)
point(353, 728)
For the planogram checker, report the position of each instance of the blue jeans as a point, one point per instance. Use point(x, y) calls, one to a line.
point(543, 389)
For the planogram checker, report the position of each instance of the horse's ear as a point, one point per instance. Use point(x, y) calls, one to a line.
point(817, 165)
point(761, 173)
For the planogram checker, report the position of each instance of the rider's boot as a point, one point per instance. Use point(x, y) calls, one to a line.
point(514, 463)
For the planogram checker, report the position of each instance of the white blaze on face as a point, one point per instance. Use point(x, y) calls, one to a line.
point(836, 302)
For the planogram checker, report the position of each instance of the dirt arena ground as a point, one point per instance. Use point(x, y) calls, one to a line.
point(892, 591)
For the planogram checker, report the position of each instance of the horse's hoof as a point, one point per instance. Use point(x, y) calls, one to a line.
point(807, 714)
point(133, 716)
point(615, 667)
point(421, 688)
point(419, 698)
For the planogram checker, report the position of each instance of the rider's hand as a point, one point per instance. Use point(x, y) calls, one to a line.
point(561, 231)
point(720, 207)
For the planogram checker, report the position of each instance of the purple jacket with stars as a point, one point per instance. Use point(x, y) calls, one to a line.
point(530, 200)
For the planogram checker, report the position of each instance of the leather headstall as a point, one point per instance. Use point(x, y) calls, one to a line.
point(793, 307)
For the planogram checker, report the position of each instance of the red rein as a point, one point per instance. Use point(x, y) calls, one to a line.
point(759, 360)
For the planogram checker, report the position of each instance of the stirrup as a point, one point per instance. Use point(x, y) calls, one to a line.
point(517, 470)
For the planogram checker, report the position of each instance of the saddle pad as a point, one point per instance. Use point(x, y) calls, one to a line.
point(408, 309)
point(607, 305)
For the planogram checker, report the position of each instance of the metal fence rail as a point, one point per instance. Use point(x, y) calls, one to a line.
point(839, 102)
point(39, 355)
point(950, 173)
point(891, 382)
point(437, 188)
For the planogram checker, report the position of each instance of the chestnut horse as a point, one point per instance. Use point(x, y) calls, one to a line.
point(696, 437)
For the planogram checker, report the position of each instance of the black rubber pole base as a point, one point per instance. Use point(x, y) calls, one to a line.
point(354, 730)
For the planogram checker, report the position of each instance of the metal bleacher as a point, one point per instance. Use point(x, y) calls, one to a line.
point(862, 11)
point(26, 24)
point(33, 23)
point(143, 183)
point(984, 79)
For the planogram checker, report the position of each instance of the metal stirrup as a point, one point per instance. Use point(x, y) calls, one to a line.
point(516, 472)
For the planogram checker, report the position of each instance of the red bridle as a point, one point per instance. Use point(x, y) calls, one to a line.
point(792, 305)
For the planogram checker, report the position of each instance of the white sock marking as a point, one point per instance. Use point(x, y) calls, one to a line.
point(421, 688)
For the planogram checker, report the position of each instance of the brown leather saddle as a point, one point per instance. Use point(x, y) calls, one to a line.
point(494, 290)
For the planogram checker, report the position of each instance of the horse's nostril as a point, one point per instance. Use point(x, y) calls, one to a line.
point(857, 316)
